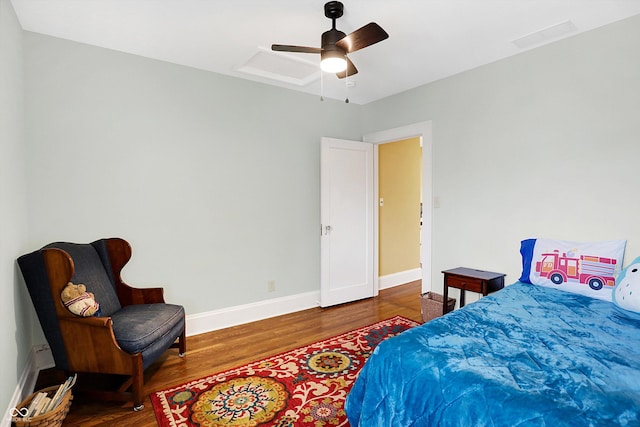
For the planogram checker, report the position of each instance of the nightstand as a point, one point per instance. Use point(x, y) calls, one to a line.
point(469, 279)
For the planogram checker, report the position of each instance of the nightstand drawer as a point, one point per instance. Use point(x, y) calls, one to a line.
point(464, 283)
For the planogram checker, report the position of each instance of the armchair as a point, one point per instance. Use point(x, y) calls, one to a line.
point(136, 325)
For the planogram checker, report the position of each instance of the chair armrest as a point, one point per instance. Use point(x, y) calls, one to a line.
point(89, 322)
point(83, 333)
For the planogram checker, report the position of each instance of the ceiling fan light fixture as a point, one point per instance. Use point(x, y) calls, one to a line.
point(336, 45)
point(333, 62)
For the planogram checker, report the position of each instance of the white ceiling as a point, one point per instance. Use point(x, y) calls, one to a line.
point(428, 39)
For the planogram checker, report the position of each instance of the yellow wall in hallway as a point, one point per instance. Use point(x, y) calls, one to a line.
point(399, 218)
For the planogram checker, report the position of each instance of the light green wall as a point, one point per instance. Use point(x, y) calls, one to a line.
point(543, 144)
point(212, 179)
point(15, 316)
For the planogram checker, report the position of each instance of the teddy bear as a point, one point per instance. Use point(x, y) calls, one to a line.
point(78, 301)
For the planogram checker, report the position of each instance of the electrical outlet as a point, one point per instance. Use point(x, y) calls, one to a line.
point(271, 286)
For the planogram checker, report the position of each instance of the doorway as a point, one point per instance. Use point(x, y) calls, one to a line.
point(399, 211)
point(423, 130)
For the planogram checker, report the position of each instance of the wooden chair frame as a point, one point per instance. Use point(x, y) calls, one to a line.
point(80, 333)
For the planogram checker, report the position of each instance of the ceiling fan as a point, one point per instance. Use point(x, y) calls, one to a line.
point(336, 44)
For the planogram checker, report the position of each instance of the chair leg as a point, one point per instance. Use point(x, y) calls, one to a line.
point(137, 385)
point(182, 343)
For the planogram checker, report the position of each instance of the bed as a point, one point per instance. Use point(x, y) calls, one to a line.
point(526, 355)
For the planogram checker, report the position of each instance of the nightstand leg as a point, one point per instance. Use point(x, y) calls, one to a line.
point(462, 292)
point(445, 298)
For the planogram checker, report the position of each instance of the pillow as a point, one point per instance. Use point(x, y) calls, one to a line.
point(626, 293)
point(587, 268)
point(526, 250)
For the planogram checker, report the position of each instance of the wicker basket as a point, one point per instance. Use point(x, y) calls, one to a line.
point(53, 418)
point(432, 305)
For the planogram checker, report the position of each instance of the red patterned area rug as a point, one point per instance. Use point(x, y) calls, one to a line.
point(306, 386)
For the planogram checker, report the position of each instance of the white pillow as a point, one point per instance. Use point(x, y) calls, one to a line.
point(587, 268)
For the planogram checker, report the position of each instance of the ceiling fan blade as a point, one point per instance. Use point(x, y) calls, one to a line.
point(366, 36)
point(301, 49)
point(350, 71)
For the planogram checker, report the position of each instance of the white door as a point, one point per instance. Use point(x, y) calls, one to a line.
point(347, 221)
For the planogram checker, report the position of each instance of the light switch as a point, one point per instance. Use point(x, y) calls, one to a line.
point(381, 201)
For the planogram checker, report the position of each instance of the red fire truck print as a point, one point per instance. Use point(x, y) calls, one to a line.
point(589, 270)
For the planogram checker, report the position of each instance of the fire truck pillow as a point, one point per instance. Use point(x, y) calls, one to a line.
point(587, 268)
point(626, 293)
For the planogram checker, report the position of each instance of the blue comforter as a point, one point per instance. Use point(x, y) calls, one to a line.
point(523, 356)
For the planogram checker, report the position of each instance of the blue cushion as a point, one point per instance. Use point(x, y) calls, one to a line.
point(156, 349)
point(139, 326)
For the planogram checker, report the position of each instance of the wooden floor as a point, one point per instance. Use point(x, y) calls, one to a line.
point(225, 349)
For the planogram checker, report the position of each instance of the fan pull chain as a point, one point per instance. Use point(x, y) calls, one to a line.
point(346, 82)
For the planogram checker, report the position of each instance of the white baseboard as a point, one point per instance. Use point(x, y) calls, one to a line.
point(400, 278)
point(39, 358)
point(240, 314)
